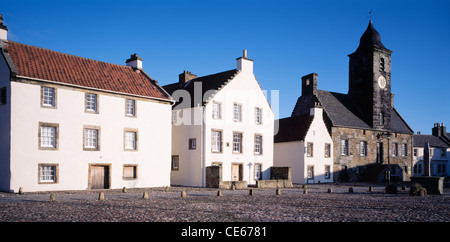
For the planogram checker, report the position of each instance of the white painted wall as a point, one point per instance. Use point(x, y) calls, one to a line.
point(293, 154)
point(436, 159)
point(245, 90)
point(154, 139)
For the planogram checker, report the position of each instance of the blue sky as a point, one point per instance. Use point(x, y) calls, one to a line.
point(287, 39)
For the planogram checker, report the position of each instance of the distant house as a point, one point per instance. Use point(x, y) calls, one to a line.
point(71, 123)
point(225, 120)
point(439, 142)
point(304, 144)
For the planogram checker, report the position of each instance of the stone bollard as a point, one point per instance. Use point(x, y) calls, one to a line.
point(403, 187)
point(20, 190)
point(183, 194)
point(219, 193)
point(250, 192)
point(350, 190)
point(370, 189)
point(304, 186)
point(330, 190)
point(167, 189)
point(124, 189)
point(278, 191)
point(52, 197)
point(233, 187)
point(101, 196)
point(305, 191)
point(145, 196)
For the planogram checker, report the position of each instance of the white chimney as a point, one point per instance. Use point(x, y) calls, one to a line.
point(135, 61)
point(245, 64)
point(316, 111)
point(3, 29)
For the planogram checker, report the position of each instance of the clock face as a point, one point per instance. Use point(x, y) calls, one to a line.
point(381, 82)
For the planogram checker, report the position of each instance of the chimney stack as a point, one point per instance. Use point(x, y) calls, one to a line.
point(309, 84)
point(245, 64)
point(135, 62)
point(185, 77)
point(3, 29)
point(439, 130)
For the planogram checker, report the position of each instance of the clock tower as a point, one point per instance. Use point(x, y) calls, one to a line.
point(370, 79)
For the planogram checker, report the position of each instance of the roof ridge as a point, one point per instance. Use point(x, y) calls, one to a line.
point(71, 55)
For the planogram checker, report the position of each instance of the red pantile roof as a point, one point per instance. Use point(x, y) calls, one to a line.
point(40, 63)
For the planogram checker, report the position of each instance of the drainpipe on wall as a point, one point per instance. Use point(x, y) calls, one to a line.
point(202, 153)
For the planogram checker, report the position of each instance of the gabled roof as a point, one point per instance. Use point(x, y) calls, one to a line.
point(48, 65)
point(209, 84)
point(293, 128)
point(434, 141)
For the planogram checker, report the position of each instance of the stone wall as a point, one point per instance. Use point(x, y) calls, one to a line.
point(279, 177)
point(354, 166)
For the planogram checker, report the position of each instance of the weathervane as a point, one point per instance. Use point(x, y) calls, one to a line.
point(370, 15)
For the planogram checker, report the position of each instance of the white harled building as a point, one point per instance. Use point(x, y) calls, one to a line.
point(72, 123)
point(223, 119)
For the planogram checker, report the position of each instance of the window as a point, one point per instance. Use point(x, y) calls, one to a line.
point(237, 112)
point(129, 172)
point(48, 97)
point(258, 171)
point(91, 103)
point(381, 64)
point(327, 150)
point(310, 170)
point(216, 141)
point(48, 136)
point(394, 149)
point(415, 152)
point(258, 144)
point(217, 110)
point(237, 143)
point(309, 149)
point(3, 96)
point(363, 148)
point(130, 107)
point(344, 147)
point(443, 152)
point(130, 140)
point(327, 171)
point(192, 144)
point(258, 115)
point(404, 149)
point(381, 118)
point(48, 173)
point(175, 163)
point(91, 138)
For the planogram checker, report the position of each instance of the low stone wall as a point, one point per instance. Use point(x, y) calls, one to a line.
point(229, 184)
point(434, 185)
point(280, 177)
point(273, 183)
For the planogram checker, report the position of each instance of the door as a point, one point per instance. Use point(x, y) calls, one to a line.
point(99, 178)
point(236, 172)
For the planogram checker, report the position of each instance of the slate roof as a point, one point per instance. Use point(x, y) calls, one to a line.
point(420, 139)
point(293, 128)
point(343, 111)
point(370, 38)
point(45, 64)
point(209, 84)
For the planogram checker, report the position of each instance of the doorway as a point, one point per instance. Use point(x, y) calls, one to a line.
point(236, 172)
point(99, 176)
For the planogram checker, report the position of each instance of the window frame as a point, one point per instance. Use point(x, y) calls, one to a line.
point(133, 108)
point(260, 143)
point(363, 148)
point(238, 143)
point(55, 171)
point(192, 144)
point(237, 116)
point(175, 163)
point(134, 172)
point(55, 141)
point(98, 134)
point(344, 147)
point(52, 98)
point(258, 116)
point(87, 103)
point(217, 110)
point(135, 142)
point(310, 149)
point(216, 143)
point(327, 151)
